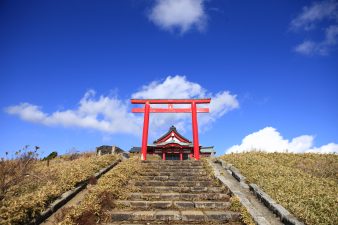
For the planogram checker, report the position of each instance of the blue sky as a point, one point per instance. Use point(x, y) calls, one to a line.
point(69, 68)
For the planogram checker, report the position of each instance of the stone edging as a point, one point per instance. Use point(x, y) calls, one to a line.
point(285, 216)
point(234, 172)
point(256, 216)
point(68, 195)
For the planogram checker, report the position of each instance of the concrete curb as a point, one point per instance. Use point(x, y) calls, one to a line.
point(68, 195)
point(284, 214)
point(234, 172)
point(256, 216)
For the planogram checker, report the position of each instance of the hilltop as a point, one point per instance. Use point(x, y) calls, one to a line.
point(305, 184)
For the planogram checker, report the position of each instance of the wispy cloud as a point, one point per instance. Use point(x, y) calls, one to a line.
point(310, 16)
point(269, 139)
point(110, 115)
point(181, 15)
point(106, 114)
point(310, 19)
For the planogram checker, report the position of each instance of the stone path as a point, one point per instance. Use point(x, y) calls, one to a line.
point(175, 192)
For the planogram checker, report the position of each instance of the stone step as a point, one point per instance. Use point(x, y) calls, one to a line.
point(175, 215)
point(145, 222)
point(174, 170)
point(144, 205)
point(175, 178)
point(173, 162)
point(179, 173)
point(175, 183)
point(172, 167)
point(159, 189)
point(172, 196)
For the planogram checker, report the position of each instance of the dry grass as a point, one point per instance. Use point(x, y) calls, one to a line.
point(43, 182)
point(100, 197)
point(305, 184)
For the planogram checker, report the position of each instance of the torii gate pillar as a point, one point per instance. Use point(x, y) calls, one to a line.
point(193, 110)
point(145, 131)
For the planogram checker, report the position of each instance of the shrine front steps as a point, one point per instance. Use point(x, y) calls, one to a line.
point(181, 183)
point(148, 205)
point(174, 196)
point(173, 173)
point(174, 192)
point(174, 178)
point(172, 162)
point(174, 170)
point(167, 216)
point(154, 167)
point(161, 189)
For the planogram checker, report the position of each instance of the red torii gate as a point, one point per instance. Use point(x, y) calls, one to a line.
point(192, 109)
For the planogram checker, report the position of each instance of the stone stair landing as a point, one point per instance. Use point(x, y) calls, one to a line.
point(175, 192)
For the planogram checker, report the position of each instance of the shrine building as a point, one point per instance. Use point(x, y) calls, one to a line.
point(173, 146)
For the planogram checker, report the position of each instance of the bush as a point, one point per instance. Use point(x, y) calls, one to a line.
point(15, 171)
point(52, 155)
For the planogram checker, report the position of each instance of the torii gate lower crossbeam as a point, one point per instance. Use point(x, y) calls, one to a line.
point(192, 109)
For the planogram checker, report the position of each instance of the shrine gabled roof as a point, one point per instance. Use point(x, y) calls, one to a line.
point(135, 150)
point(172, 129)
point(209, 149)
point(172, 142)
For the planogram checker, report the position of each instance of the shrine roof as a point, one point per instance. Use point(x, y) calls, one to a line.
point(172, 129)
point(209, 149)
point(171, 142)
point(135, 150)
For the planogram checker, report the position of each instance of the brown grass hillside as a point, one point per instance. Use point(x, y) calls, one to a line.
point(305, 184)
point(29, 185)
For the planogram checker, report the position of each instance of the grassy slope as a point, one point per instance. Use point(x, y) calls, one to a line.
point(305, 184)
point(31, 196)
point(100, 197)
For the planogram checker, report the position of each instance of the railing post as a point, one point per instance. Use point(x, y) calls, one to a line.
point(145, 131)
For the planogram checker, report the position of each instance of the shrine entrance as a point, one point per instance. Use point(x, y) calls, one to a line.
point(147, 109)
point(171, 156)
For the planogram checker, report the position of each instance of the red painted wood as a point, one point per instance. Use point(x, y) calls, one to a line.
point(181, 156)
point(171, 101)
point(195, 131)
point(145, 131)
point(170, 110)
point(163, 156)
point(193, 110)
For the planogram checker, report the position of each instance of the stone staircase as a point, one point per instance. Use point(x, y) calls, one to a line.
point(175, 192)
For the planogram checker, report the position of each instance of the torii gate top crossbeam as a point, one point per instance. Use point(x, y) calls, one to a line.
point(171, 101)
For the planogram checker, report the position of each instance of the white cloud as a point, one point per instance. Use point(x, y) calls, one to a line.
point(320, 48)
point(270, 140)
point(179, 14)
point(306, 48)
point(180, 87)
point(315, 13)
point(309, 19)
point(109, 114)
